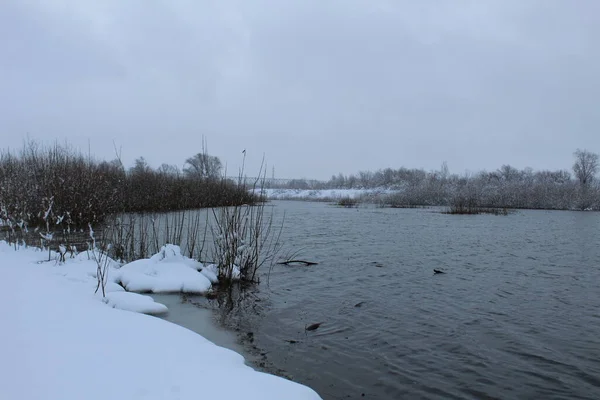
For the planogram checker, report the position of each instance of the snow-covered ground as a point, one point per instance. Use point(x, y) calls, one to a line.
point(61, 341)
point(322, 194)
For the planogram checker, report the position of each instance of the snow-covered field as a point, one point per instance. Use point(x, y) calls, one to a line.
point(61, 341)
point(322, 194)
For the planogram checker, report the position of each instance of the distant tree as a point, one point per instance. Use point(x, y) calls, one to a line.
point(388, 176)
point(168, 169)
point(351, 182)
point(364, 178)
point(341, 180)
point(509, 174)
point(117, 164)
point(378, 179)
point(444, 171)
point(298, 184)
point(203, 166)
point(140, 166)
point(585, 167)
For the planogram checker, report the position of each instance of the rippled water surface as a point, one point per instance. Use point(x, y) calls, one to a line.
point(516, 315)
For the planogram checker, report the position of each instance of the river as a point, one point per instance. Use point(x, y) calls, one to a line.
point(515, 315)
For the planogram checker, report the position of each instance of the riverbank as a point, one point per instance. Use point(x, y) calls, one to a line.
point(399, 198)
point(325, 195)
point(60, 341)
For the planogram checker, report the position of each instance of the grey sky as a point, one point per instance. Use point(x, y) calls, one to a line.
point(319, 87)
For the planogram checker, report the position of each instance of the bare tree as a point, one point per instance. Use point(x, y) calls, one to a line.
point(444, 171)
point(585, 167)
point(168, 169)
point(203, 166)
point(140, 167)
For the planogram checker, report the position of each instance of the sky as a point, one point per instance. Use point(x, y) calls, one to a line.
point(316, 87)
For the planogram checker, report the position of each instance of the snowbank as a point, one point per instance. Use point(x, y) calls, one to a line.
point(135, 302)
point(59, 341)
point(165, 272)
point(321, 194)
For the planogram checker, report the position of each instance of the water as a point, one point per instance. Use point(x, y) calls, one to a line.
point(517, 314)
point(183, 311)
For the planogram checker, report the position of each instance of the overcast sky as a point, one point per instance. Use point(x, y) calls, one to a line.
point(318, 87)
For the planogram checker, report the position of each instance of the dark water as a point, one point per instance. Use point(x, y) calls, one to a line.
point(517, 314)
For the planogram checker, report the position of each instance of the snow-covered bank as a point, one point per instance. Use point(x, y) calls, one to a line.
point(60, 341)
point(322, 194)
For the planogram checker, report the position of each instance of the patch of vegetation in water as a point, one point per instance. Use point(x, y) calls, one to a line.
point(399, 205)
point(348, 202)
point(454, 210)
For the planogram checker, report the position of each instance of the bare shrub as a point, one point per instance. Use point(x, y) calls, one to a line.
point(348, 202)
point(244, 236)
point(99, 253)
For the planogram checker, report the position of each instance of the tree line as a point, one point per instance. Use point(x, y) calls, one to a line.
point(507, 187)
point(59, 186)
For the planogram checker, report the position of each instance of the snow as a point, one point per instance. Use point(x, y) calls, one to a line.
point(172, 254)
point(148, 276)
point(135, 302)
point(211, 272)
point(60, 341)
point(81, 268)
point(321, 194)
point(166, 271)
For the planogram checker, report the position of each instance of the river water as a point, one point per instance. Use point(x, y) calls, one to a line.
point(516, 315)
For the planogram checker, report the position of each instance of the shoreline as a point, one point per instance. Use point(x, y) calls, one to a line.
point(203, 319)
point(63, 342)
point(377, 197)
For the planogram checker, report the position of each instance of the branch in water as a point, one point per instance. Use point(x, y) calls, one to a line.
point(297, 262)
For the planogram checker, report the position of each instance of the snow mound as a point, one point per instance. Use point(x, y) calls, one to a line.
point(165, 272)
point(112, 287)
point(168, 253)
point(211, 272)
point(135, 302)
point(172, 253)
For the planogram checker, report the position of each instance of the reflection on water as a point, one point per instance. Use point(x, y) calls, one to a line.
point(517, 315)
